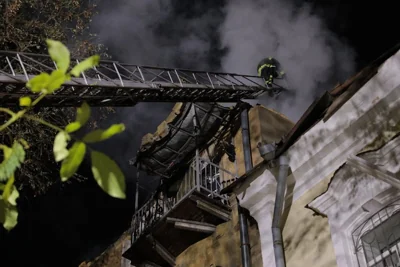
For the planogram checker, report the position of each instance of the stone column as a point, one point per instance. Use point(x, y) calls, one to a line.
point(259, 199)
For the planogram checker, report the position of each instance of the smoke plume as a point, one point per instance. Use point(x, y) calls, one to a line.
point(231, 36)
point(211, 35)
point(161, 32)
point(154, 33)
point(313, 58)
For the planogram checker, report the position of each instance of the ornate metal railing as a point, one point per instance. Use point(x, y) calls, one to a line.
point(149, 214)
point(213, 179)
point(377, 240)
point(203, 176)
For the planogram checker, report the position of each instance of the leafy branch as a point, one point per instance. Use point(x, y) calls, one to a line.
point(67, 148)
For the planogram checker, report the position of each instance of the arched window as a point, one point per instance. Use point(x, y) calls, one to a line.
point(377, 240)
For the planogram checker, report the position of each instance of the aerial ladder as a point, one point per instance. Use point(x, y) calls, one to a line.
point(117, 84)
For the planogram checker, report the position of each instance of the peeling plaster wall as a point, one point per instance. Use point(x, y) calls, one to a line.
point(373, 110)
point(307, 237)
point(325, 147)
point(350, 190)
point(222, 248)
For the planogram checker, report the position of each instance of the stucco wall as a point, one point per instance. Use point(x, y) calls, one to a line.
point(315, 155)
point(355, 194)
point(307, 237)
point(222, 248)
point(265, 125)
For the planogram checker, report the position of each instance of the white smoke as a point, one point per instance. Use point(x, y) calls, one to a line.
point(127, 28)
point(155, 33)
point(313, 58)
point(194, 35)
point(151, 33)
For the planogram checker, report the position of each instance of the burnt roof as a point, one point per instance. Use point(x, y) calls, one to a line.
point(325, 106)
point(167, 152)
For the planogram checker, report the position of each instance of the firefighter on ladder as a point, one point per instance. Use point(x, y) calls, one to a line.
point(269, 69)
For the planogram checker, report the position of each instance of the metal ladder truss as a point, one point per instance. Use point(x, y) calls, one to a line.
point(117, 84)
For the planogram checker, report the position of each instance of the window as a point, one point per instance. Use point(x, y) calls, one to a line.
point(377, 240)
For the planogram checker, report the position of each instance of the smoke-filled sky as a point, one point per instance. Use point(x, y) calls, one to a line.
point(318, 43)
point(298, 39)
point(229, 36)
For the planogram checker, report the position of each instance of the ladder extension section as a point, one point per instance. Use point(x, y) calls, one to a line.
point(116, 84)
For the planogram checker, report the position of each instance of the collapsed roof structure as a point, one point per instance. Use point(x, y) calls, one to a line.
point(188, 127)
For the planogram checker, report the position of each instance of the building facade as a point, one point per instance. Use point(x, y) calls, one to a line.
point(321, 192)
point(341, 197)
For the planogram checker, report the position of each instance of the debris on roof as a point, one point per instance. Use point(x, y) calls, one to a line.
point(176, 138)
point(324, 107)
point(162, 129)
point(330, 102)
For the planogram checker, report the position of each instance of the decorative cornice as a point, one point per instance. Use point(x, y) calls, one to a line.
point(323, 134)
point(348, 174)
point(349, 142)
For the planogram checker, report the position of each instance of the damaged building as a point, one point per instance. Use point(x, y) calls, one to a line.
point(245, 186)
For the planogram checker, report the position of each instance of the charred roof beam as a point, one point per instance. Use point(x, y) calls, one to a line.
point(205, 110)
point(178, 154)
point(159, 162)
point(181, 130)
point(172, 150)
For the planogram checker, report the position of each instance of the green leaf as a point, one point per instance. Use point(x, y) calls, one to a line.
point(10, 192)
point(8, 203)
point(47, 83)
point(60, 146)
point(24, 143)
point(12, 199)
point(72, 162)
point(84, 65)
point(8, 215)
point(7, 188)
point(57, 78)
point(82, 117)
point(108, 175)
point(13, 157)
point(25, 101)
point(73, 126)
point(100, 134)
point(59, 53)
point(83, 113)
point(38, 83)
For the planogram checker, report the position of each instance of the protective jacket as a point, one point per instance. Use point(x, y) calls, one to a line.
point(268, 69)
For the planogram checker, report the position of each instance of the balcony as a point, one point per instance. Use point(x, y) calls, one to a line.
point(191, 215)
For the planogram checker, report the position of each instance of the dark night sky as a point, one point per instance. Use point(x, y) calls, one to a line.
point(66, 226)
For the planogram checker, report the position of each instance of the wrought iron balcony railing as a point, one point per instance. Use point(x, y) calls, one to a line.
point(203, 176)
